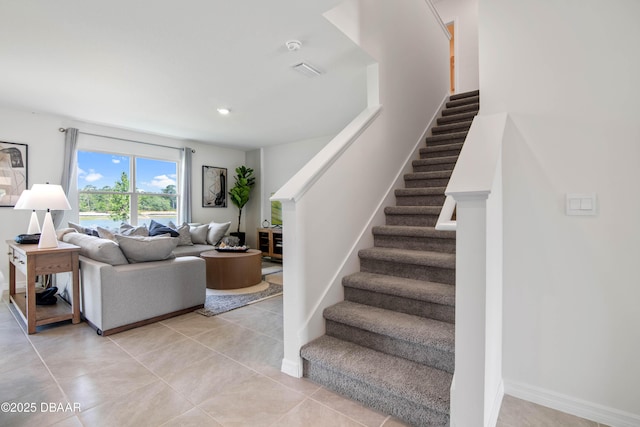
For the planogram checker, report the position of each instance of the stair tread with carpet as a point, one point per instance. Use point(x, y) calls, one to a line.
point(458, 136)
point(406, 327)
point(453, 127)
point(462, 95)
point(433, 149)
point(378, 374)
point(407, 230)
point(420, 290)
point(435, 259)
point(390, 343)
point(456, 118)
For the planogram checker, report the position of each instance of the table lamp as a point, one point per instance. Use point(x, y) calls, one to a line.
point(24, 203)
point(48, 196)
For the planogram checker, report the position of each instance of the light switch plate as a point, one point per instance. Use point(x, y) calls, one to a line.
point(581, 204)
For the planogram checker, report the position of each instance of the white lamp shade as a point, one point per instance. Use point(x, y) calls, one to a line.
point(23, 200)
point(47, 196)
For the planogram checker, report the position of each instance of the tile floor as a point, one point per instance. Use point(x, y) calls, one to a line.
point(186, 371)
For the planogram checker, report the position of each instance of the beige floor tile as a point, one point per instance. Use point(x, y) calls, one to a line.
point(61, 337)
point(24, 380)
point(255, 401)
point(312, 414)
point(151, 405)
point(261, 321)
point(194, 418)
point(97, 387)
point(76, 360)
point(69, 422)
point(261, 353)
point(194, 324)
point(175, 357)
point(520, 413)
point(147, 339)
point(301, 385)
point(206, 378)
point(273, 305)
point(394, 422)
point(227, 337)
point(353, 410)
point(16, 355)
point(38, 414)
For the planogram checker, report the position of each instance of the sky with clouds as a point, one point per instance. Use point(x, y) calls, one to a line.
point(101, 169)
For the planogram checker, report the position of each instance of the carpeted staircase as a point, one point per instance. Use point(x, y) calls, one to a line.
point(390, 344)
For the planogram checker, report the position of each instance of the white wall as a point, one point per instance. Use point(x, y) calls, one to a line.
point(326, 224)
point(465, 15)
point(567, 74)
point(46, 145)
point(281, 162)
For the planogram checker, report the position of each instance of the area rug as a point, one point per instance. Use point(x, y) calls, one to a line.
point(221, 302)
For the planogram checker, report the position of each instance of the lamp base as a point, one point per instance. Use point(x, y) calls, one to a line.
point(48, 237)
point(34, 227)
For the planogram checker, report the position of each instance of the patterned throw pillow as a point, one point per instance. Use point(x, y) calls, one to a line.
point(184, 238)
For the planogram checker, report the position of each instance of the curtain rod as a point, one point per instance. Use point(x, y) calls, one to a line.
point(127, 140)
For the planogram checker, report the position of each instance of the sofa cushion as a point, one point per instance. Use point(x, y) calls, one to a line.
point(193, 250)
point(199, 233)
point(216, 232)
point(102, 250)
point(157, 229)
point(147, 248)
point(184, 238)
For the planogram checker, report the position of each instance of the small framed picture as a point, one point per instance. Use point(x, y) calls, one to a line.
point(13, 172)
point(214, 187)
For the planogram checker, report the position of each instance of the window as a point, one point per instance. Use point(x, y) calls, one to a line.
point(115, 188)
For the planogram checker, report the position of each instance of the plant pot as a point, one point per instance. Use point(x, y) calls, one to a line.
point(240, 235)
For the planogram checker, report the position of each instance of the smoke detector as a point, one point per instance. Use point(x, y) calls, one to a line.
point(293, 45)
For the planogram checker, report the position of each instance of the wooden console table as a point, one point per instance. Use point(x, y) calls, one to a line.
point(32, 261)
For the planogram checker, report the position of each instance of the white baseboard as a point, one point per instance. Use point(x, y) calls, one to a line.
point(572, 405)
point(292, 368)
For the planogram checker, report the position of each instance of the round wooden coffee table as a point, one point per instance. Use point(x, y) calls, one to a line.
point(233, 270)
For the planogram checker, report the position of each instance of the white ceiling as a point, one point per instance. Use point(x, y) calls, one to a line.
point(164, 66)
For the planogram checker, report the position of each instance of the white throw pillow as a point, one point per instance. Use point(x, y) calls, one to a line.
point(144, 249)
point(185, 235)
point(217, 232)
point(102, 250)
point(199, 233)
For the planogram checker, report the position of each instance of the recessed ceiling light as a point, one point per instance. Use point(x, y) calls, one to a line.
point(224, 111)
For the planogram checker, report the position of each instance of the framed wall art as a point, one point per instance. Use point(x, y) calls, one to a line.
point(13, 172)
point(214, 187)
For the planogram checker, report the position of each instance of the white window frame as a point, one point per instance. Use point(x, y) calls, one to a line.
point(133, 195)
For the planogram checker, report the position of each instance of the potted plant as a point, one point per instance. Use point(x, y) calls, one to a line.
point(240, 194)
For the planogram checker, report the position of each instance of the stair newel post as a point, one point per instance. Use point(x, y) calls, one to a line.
point(467, 390)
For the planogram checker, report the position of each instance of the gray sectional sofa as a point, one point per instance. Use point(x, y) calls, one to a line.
point(133, 280)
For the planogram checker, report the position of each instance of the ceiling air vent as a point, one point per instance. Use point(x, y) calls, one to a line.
point(306, 69)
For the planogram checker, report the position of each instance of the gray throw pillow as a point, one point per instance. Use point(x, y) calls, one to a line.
point(199, 233)
point(184, 239)
point(216, 232)
point(144, 249)
point(82, 229)
point(102, 250)
point(106, 234)
point(131, 230)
